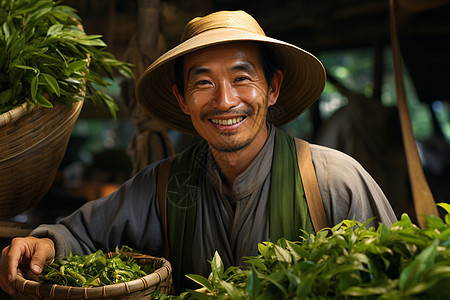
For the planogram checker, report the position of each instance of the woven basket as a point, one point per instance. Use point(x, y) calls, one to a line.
point(33, 143)
point(141, 288)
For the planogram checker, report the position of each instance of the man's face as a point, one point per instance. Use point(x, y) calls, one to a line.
point(226, 95)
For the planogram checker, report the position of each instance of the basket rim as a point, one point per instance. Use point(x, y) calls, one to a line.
point(158, 276)
point(16, 113)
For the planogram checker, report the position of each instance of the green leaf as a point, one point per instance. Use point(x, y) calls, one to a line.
point(253, 284)
point(217, 267)
point(43, 101)
point(25, 67)
point(297, 251)
point(77, 65)
point(360, 291)
point(52, 83)
point(385, 233)
point(434, 222)
point(89, 42)
point(410, 276)
point(305, 286)
point(55, 29)
point(34, 87)
point(445, 206)
point(257, 263)
point(109, 102)
point(263, 248)
point(343, 269)
point(6, 31)
point(283, 255)
point(233, 291)
point(5, 96)
point(275, 278)
point(201, 280)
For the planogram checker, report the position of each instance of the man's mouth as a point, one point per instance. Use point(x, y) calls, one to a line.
point(230, 121)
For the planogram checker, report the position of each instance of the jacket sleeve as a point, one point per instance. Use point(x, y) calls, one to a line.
point(347, 190)
point(129, 216)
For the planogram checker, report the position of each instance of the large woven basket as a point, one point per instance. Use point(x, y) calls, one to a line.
point(33, 143)
point(141, 288)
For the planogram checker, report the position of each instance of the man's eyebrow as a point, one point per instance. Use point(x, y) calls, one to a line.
point(244, 66)
point(240, 66)
point(195, 71)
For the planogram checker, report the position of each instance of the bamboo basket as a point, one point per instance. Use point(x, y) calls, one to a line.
point(141, 288)
point(33, 143)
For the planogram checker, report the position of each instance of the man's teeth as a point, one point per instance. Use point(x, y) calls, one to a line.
point(227, 121)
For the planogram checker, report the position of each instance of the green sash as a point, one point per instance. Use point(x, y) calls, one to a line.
point(288, 208)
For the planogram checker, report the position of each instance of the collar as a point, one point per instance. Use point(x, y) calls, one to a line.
point(253, 177)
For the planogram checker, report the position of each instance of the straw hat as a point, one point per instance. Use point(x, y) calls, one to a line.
point(303, 82)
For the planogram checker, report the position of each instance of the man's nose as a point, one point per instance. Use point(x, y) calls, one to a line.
point(225, 96)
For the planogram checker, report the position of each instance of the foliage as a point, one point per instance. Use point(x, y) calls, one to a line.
point(46, 58)
point(95, 269)
point(348, 261)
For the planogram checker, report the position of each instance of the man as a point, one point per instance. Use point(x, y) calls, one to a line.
point(241, 184)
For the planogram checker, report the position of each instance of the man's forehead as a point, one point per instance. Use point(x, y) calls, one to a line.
point(238, 53)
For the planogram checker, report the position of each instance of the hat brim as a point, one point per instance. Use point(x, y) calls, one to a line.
point(303, 81)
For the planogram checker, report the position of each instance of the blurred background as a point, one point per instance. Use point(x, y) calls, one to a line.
point(356, 114)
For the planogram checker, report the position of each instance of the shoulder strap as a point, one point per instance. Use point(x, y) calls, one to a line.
point(161, 192)
point(310, 186)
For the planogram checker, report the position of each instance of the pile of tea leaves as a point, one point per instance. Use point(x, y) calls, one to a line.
point(46, 57)
point(96, 269)
point(347, 261)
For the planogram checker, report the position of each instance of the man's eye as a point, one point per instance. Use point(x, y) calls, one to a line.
point(203, 82)
point(242, 78)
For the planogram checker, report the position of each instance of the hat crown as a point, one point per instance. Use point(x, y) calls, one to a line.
point(221, 19)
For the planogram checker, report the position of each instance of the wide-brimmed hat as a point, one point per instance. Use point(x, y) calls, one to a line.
point(303, 81)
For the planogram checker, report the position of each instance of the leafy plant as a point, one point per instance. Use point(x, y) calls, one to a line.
point(46, 58)
point(95, 269)
point(347, 261)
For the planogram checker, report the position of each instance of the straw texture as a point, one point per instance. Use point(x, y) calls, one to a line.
point(33, 143)
point(141, 288)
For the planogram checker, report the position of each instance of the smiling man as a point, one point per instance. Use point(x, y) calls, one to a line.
point(243, 183)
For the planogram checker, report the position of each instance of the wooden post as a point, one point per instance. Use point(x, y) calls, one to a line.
point(423, 198)
point(148, 24)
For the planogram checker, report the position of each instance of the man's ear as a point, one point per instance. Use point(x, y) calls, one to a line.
point(180, 99)
point(275, 86)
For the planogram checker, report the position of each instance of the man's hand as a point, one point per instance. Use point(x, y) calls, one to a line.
point(25, 255)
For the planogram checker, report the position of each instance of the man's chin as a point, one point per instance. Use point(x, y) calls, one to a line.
point(229, 147)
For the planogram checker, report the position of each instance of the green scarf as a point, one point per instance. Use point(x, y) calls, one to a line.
point(288, 208)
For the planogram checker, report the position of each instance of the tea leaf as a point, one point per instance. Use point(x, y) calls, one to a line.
point(414, 271)
point(43, 101)
point(45, 37)
point(25, 67)
point(217, 266)
point(94, 269)
point(252, 284)
point(5, 96)
point(77, 65)
point(445, 206)
point(282, 254)
point(201, 280)
point(34, 87)
point(52, 83)
point(350, 261)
